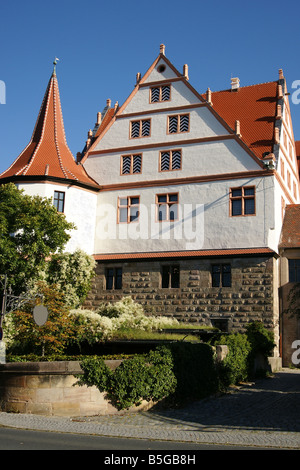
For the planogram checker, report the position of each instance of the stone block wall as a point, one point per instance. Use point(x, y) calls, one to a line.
point(50, 389)
point(252, 295)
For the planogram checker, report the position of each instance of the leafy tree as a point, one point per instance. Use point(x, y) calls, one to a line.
point(51, 338)
point(72, 273)
point(30, 230)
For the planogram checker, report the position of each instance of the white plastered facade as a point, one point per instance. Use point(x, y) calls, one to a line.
point(80, 209)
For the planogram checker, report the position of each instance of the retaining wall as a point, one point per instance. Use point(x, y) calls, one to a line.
point(49, 388)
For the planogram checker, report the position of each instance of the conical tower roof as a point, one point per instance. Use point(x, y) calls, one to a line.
point(47, 155)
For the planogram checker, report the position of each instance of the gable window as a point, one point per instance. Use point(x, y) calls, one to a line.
point(59, 201)
point(242, 201)
point(167, 207)
point(128, 209)
point(113, 278)
point(170, 277)
point(178, 123)
point(221, 275)
point(140, 128)
point(131, 164)
point(160, 93)
point(170, 160)
point(294, 270)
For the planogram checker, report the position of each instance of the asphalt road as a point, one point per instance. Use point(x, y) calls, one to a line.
point(20, 439)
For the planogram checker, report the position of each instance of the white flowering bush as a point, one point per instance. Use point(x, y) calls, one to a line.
point(98, 326)
point(72, 274)
point(124, 306)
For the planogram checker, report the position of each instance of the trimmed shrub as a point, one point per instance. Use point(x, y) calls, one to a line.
point(234, 368)
point(148, 377)
point(179, 371)
point(194, 369)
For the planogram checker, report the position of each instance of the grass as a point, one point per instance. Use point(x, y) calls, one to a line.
point(136, 334)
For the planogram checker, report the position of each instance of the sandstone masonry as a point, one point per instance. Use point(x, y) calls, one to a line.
point(249, 298)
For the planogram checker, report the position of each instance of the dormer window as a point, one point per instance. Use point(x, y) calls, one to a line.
point(160, 93)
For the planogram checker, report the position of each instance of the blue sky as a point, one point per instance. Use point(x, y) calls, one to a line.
point(102, 45)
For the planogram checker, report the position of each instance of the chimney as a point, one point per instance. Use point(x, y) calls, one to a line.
point(108, 103)
point(162, 49)
point(208, 96)
point(116, 105)
point(186, 71)
point(235, 84)
point(99, 117)
point(238, 128)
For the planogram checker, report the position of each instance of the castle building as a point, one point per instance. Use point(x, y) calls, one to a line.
point(180, 196)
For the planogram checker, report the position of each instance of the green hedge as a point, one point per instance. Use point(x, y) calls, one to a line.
point(239, 364)
point(179, 371)
point(143, 377)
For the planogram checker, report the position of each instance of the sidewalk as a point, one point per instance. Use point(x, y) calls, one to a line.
point(263, 414)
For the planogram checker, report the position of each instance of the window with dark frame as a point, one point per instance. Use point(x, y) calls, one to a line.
point(170, 277)
point(128, 209)
point(221, 275)
point(131, 164)
point(170, 160)
point(242, 201)
point(167, 207)
point(160, 93)
point(294, 270)
point(59, 201)
point(178, 123)
point(140, 128)
point(113, 278)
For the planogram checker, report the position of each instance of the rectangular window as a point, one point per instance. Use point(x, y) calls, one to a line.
point(282, 168)
point(294, 270)
point(242, 201)
point(128, 209)
point(113, 278)
point(170, 160)
point(140, 128)
point(160, 93)
point(167, 207)
point(221, 275)
point(59, 201)
point(289, 179)
point(178, 123)
point(131, 164)
point(170, 277)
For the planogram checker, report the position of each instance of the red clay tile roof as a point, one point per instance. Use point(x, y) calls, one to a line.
point(183, 254)
point(290, 234)
point(105, 121)
point(255, 107)
point(48, 154)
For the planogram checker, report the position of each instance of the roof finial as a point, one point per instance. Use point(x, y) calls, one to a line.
point(54, 64)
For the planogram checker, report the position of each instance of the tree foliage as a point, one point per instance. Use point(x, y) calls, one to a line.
point(72, 273)
point(30, 230)
point(52, 337)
